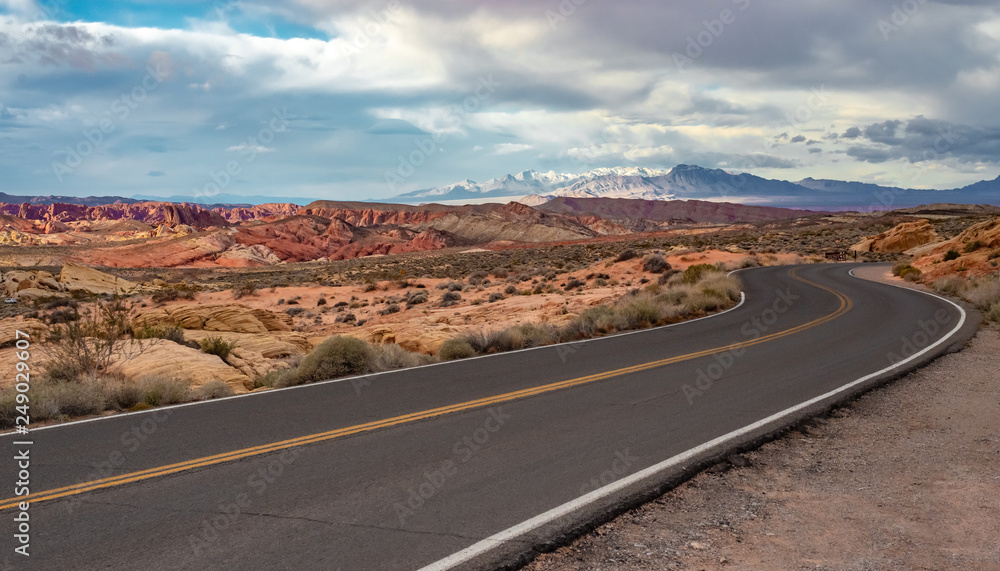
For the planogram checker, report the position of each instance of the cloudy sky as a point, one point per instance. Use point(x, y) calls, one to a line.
point(355, 100)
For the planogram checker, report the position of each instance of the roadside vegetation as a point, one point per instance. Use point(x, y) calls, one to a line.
point(983, 292)
point(83, 354)
point(692, 293)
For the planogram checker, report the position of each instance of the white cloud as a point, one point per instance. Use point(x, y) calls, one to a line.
point(508, 148)
point(244, 147)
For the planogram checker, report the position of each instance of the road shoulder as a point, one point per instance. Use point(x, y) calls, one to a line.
point(905, 476)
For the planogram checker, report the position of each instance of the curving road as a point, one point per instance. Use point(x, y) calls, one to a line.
point(469, 464)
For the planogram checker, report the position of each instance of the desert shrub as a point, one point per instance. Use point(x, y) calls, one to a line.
point(983, 293)
point(417, 297)
point(217, 346)
point(165, 294)
point(993, 313)
point(910, 274)
point(951, 255)
point(67, 315)
point(214, 389)
point(951, 285)
point(973, 246)
point(587, 323)
point(449, 298)
point(293, 311)
point(626, 255)
point(510, 290)
point(694, 273)
point(338, 356)
point(391, 356)
point(244, 289)
point(655, 264)
point(456, 348)
point(720, 285)
point(675, 295)
point(665, 276)
point(122, 394)
point(321, 301)
point(574, 283)
point(496, 296)
point(96, 343)
point(511, 339)
point(172, 333)
point(160, 391)
point(898, 267)
point(639, 310)
point(702, 302)
point(60, 302)
point(393, 308)
point(70, 399)
point(499, 273)
point(600, 282)
point(276, 378)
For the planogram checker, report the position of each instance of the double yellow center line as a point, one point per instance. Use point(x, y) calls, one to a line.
point(845, 305)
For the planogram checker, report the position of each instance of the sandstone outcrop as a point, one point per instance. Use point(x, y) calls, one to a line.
point(234, 318)
point(900, 238)
point(88, 280)
point(161, 358)
point(10, 326)
point(275, 345)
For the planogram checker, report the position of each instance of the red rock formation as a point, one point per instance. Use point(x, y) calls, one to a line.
point(149, 212)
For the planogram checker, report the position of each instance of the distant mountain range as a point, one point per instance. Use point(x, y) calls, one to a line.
point(694, 182)
point(84, 201)
point(687, 182)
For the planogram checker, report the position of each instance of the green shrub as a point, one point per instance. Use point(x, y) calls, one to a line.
point(898, 267)
point(910, 274)
point(951, 255)
point(694, 273)
point(172, 333)
point(338, 356)
point(456, 348)
point(973, 246)
point(217, 346)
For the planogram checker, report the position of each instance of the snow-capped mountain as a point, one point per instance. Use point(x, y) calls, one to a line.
point(523, 183)
point(694, 182)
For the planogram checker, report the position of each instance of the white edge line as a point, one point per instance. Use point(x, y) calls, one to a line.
point(344, 379)
point(506, 535)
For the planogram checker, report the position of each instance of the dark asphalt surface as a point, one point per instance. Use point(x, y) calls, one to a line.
point(406, 496)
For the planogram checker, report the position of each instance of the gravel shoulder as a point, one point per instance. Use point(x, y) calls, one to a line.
point(905, 477)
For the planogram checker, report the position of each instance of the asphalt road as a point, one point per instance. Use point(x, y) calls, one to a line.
point(402, 470)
